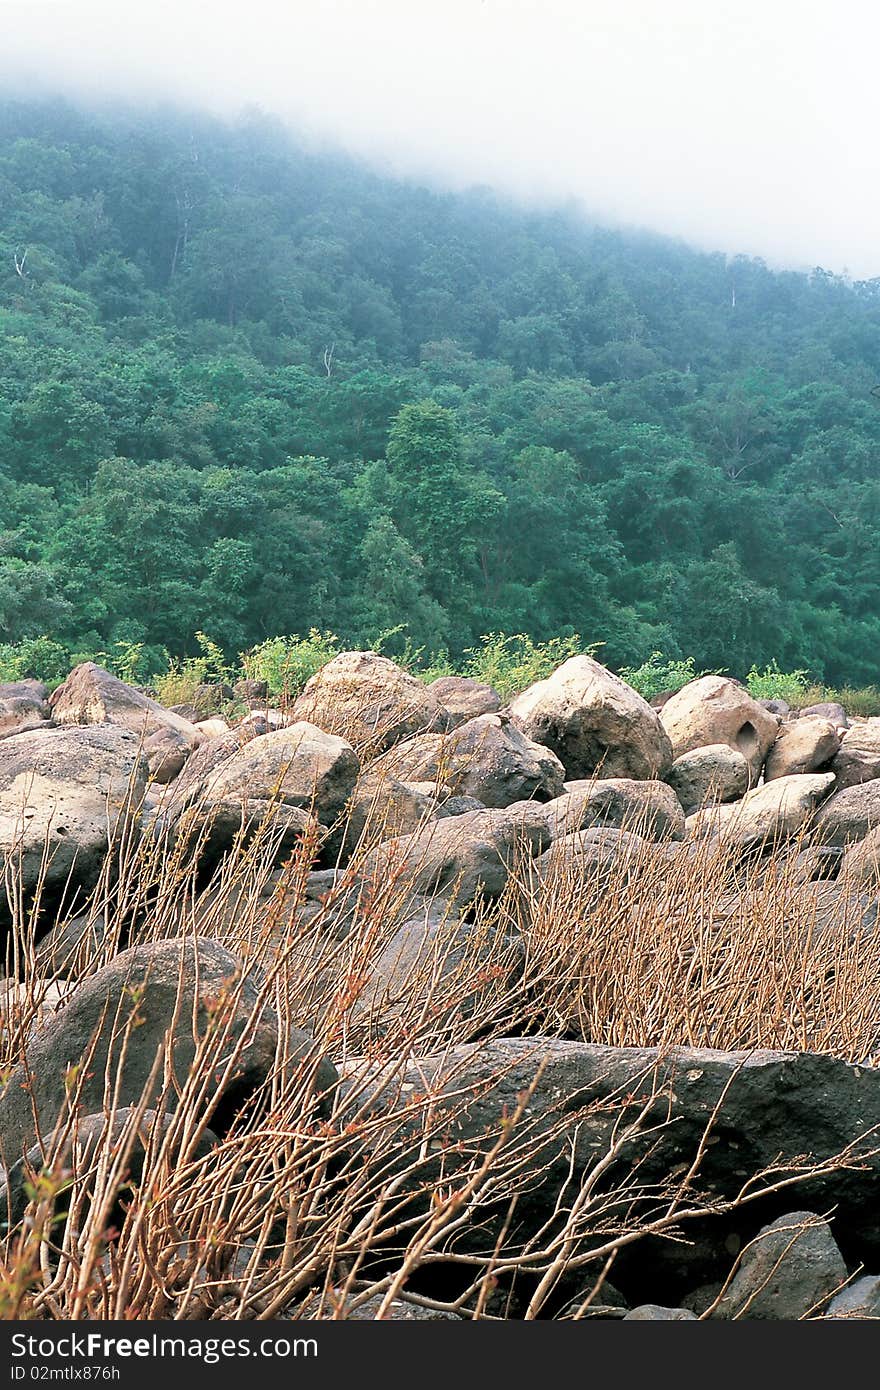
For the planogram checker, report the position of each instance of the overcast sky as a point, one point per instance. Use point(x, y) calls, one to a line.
point(742, 126)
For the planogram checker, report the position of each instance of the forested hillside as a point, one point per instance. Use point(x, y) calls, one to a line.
point(246, 389)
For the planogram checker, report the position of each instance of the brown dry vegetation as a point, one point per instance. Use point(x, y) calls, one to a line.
point(305, 1213)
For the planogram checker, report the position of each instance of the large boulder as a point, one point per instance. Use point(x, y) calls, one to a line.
point(775, 812)
point(859, 757)
point(828, 709)
point(714, 709)
point(91, 695)
point(462, 858)
point(381, 808)
point(370, 701)
point(594, 722)
point(861, 864)
point(287, 782)
point(766, 1111)
point(849, 815)
point(804, 745)
point(649, 809)
point(590, 855)
point(23, 705)
point(174, 994)
point(487, 758)
point(464, 699)
point(67, 798)
point(861, 1299)
point(790, 1269)
point(705, 776)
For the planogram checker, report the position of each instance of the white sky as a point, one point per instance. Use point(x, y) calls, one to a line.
point(740, 125)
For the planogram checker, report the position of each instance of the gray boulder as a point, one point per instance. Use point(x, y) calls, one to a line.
point(648, 809)
point(788, 1271)
point(23, 705)
point(654, 1312)
point(860, 1299)
point(706, 776)
point(849, 815)
point(370, 701)
point(594, 722)
point(67, 798)
point(859, 756)
point(464, 699)
point(487, 758)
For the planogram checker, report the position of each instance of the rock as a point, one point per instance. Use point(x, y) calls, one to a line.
point(464, 699)
point(487, 758)
point(594, 722)
point(859, 757)
point(210, 698)
point(773, 1109)
point(298, 766)
point(849, 815)
point(212, 728)
point(398, 1310)
point(861, 863)
point(73, 1151)
point(710, 822)
point(380, 808)
point(91, 695)
point(828, 710)
point(859, 1300)
point(648, 809)
point(788, 1271)
point(653, 1312)
point(68, 939)
point(23, 705)
point(804, 745)
point(705, 776)
point(421, 969)
point(589, 854)
point(460, 805)
point(251, 693)
point(715, 710)
point(72, 794)
point(210, 755)
point(462, 858)
point(775, 812)
point(780, 707)
point(369, 700)
point(177, 984)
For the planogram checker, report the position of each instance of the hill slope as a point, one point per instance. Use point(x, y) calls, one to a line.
point(246, 389)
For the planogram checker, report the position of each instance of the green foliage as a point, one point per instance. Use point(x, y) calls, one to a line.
point(42, 658)
point(178, 684)
point(330, 402)
point(511, 663)
point(660, 674)
point(286, 663)
point(773, 684)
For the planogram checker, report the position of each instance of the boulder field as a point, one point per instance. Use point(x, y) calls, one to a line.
point(445, 800)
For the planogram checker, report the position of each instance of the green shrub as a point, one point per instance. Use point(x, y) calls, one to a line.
point(286, 663)
point(510, 663)
point(773, 684)
point(178, 684)
point(660, 674)
point(41, 657)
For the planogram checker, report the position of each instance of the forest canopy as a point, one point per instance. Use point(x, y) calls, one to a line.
point(249, 389)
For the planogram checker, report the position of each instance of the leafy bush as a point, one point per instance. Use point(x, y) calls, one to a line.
point(660, 674)
point(178, 684)
point(510, 663)
point(286, 663)
point(773, 684)
point(40, 657)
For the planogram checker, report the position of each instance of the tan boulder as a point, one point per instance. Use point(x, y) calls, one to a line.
point(861, 864)
point(22, 706)
point(369, 700)
point(849, 815)
point(859, 757)
point(649, 809)
point(464, 699)
point(776, 811)
point(715, 710)
point(803, 745)
point(488, 758)
point(91, 695)
point(594, 722)
point(68, 797)
point(705, 776)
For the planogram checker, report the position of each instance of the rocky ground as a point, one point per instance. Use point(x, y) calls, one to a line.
point(393, 1002)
